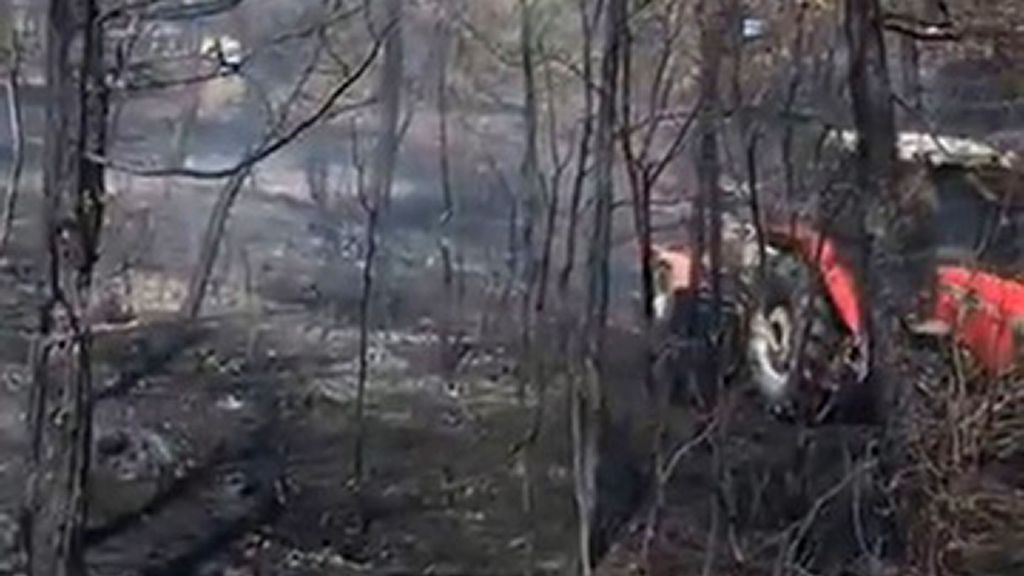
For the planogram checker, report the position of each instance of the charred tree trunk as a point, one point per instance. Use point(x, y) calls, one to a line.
point(544, 328)
point(452, 306)
point(640, 185)
point(529, 172)
point(210, 247)
point(17, 143)
point(530, 196)
point(60, 411)
point(365, 301)
point(531, 202)
point(589, 404)
point(871, 95)
point(712, 44)
point(583, 154)
point(599, 250)
point(389, 93)
point(559, 163)
point(793, 187)
point(375, 200)
point(369, 203)
point(708, 168)
point(874, 213)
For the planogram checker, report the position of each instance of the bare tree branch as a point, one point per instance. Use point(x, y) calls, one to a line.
point(171, 10)
point(263, 151)
point(220, 70)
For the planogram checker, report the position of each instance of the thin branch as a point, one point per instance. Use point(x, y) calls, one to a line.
point(483, 39)
point(924, 31)
point(665, 474)
point(800, 528)
point(675, 146)
point(262, 152)
point(171, 11)
point(318, 28)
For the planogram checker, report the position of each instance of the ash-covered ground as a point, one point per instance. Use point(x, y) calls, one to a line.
point(225, 446)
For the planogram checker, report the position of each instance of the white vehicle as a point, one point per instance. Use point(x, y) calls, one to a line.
point(225, 49)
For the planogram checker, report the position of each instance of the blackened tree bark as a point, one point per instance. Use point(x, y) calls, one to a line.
point(375, 199)
point(712, 44)
point(546, 327)
point(599, 250)
point(871, 95)
point(531, 201)
point(449, 342)
point(560, 161)
point(873, 114)
point(385, 154)
point(873, 212)
point(390, 96)
point(210, 247)
point(530, 198)
point(60, 412)
point(372, 212)
point(583, 154)
point(713, 28)
point(589, 409)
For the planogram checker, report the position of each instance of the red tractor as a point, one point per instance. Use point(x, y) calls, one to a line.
point(804, 342)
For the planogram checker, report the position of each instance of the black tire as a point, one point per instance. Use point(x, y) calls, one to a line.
point(793, 327)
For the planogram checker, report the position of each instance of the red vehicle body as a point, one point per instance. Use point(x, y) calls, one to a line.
point(812, 303)
point(983, 312)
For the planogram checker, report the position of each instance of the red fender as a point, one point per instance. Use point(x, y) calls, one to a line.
point(985, 312)
point(839, 280)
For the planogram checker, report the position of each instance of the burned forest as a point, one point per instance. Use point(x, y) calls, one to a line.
point(496, 287)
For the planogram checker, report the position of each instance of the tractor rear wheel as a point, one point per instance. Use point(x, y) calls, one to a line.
point(795, 340)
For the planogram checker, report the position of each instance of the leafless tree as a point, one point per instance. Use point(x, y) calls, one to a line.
point(13, 88)
point(374, 193)
point(391, 81)
point(531, 199)
point(714, 32)
point(61, 406)
point(874, 118)
point(371, 205)
point(642, 127)
point(450, 336)
point(873, 114)
point(390, 97)
point(210, 246)
point(587, 25)
point(588, 407)
point(650, 142)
